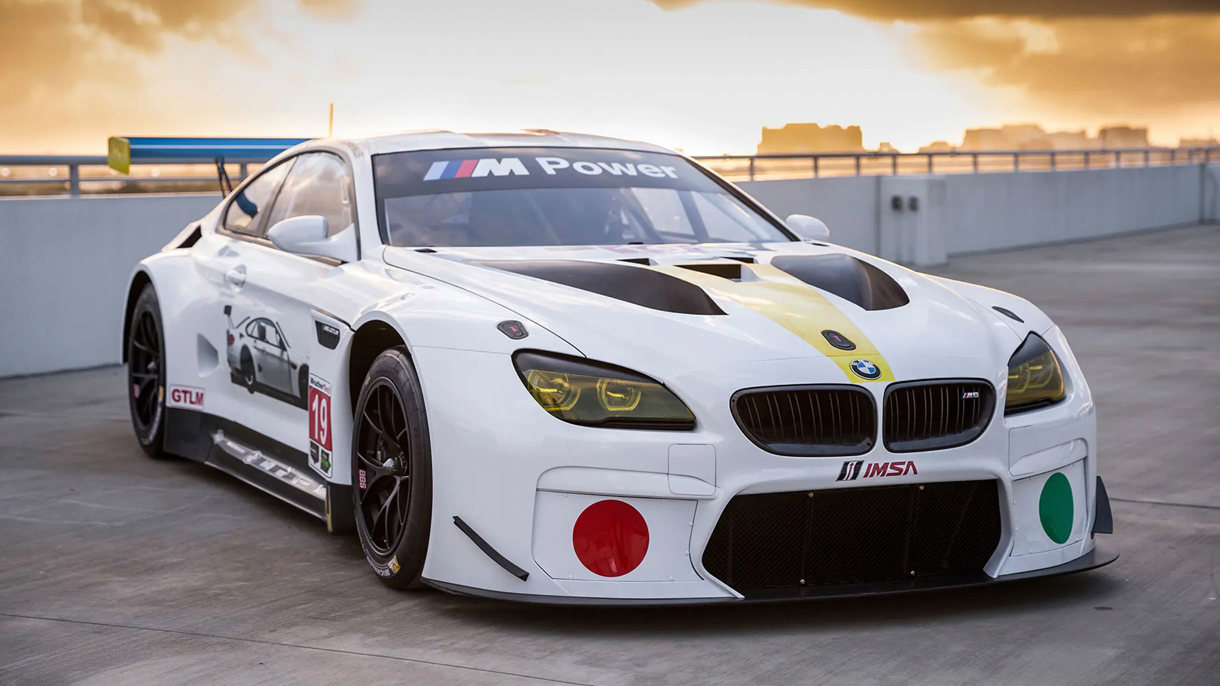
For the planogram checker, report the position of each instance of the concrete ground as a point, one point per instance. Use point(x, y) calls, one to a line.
point(119, 569)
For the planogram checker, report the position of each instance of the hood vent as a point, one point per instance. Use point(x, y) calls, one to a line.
point(731, 272)
point(644, 287)
point(847, 277)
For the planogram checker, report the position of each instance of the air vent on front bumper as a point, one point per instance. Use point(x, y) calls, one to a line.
point(780, 544)
point(808, 421)
point(936, 414)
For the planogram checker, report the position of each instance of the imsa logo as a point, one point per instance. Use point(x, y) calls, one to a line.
point(851, 470)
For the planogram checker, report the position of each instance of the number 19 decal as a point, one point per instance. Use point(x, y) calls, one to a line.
point(319, 426)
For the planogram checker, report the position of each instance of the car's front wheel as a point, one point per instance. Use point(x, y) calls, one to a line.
point(392, 470)
point(146, 373)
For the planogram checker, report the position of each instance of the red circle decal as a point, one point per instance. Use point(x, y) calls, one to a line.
point(610, 538)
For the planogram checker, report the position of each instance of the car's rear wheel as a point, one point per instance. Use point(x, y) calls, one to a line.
point(146, 373)
point(247, 370)
point(303, 385)
point(392, 470)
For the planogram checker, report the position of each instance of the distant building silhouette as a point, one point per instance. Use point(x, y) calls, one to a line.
point(1209, 142)
point(937, 146)
point(1034, 137)
point(810, 138)
point(1071, 140)
point(1121, 136)
point(1007, 137)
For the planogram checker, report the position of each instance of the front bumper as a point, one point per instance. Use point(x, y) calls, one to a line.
point(520, 478)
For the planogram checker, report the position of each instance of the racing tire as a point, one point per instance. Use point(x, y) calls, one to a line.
point(146, 373)
point(303, 386)
point(247, 370)
point(392, 470)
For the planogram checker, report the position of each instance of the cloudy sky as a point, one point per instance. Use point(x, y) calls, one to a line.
point(702, 75)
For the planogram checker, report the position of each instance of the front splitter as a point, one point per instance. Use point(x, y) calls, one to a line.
point(1098, 557)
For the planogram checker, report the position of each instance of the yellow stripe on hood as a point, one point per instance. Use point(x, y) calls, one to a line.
point(794, 305)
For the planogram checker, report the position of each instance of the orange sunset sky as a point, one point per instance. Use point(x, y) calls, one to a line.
point(701, 75)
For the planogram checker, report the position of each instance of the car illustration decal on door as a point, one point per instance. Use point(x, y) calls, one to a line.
point(262, 361)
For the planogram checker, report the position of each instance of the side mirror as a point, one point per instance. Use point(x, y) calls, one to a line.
point(306, 235)
point(808, 228)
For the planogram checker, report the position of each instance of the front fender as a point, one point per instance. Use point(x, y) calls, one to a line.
point(1034, 319)
point(165, 272)
point(426, 315)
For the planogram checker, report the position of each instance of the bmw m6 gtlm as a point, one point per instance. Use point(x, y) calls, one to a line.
point(565, 368)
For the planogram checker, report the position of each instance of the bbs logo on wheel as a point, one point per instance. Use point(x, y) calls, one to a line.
point(866, 369)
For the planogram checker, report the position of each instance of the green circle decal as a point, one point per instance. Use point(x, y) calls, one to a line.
point(1055, 508)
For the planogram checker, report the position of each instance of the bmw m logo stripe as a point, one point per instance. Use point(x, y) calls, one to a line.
point(478, 168)
point(453, 169)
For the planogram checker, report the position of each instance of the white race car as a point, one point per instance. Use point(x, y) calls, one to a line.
point(565, 368)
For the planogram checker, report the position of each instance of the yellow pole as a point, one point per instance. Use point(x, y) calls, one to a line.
point(330, 129)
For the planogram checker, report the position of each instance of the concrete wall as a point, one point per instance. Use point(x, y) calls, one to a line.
point(995, 211)
point(1210, 202)
point(922, 220)
point(848, 205)
point(64, 265)
point(64, 262)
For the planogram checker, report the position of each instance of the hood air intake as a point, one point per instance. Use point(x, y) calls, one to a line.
point(636, 285)
point(847, 277)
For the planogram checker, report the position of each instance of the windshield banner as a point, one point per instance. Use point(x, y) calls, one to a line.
point(479, 169)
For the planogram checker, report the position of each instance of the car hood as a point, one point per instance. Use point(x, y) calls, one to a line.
point(675, 309)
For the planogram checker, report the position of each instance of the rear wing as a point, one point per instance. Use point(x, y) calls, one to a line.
point(122, 152)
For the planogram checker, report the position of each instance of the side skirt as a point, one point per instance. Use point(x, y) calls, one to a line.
point(262, 462)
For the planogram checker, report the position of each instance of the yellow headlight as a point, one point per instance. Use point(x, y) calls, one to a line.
point(1035, 378)
point(617, 395)
point(595, 394)
point(554, 391)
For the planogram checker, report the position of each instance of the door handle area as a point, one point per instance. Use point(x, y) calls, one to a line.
point(236, 277)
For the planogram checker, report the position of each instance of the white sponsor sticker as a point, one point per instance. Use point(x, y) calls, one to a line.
point(185, 397)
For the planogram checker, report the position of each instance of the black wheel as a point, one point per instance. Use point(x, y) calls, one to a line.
point(303, 386)
point(247, 370)
point(392, 470)
point(146, 373)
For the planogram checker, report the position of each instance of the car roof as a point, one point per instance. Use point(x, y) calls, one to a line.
point(529, 138)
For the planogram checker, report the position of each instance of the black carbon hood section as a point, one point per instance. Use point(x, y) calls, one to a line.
point(846, 277)
point(637, 285)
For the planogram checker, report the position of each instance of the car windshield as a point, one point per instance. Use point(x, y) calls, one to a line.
point(556, 196)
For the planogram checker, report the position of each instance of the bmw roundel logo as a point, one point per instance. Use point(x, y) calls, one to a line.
point(865, 369)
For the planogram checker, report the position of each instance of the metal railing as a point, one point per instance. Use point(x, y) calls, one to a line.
point(818, 165)
point(74, 175)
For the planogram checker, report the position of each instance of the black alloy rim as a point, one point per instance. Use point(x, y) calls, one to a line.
point(247, 371)
point(384, 466)
point(144, 370)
